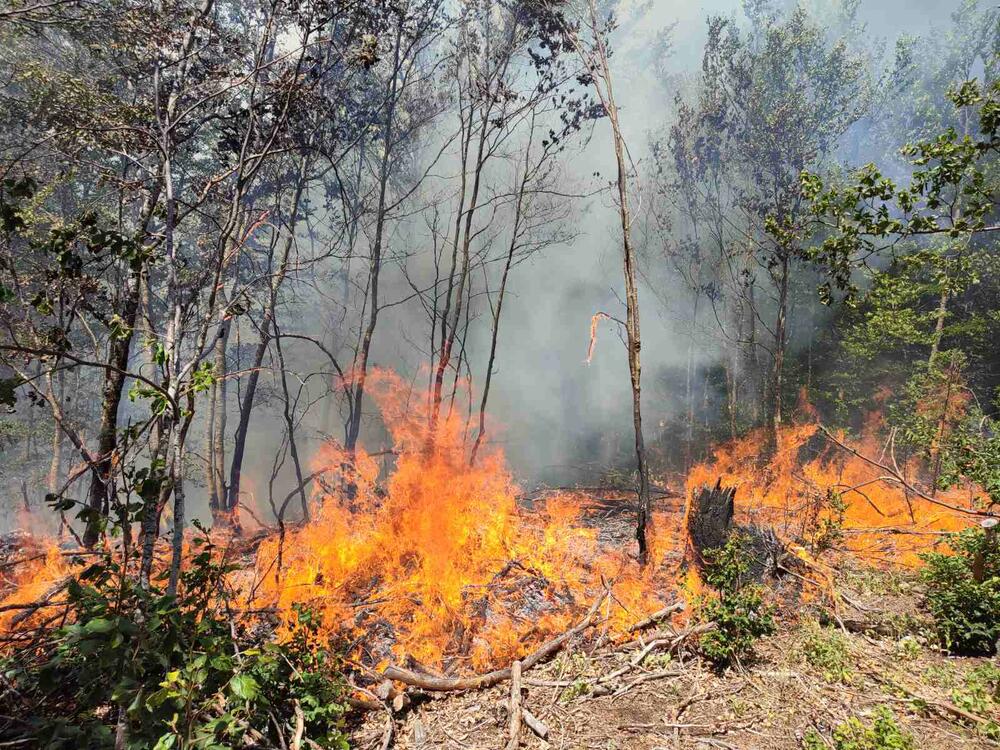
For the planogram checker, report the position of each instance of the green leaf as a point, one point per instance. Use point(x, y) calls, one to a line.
point(99, 625)
point(244, 686)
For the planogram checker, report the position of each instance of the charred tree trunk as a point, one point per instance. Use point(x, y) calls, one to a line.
point(710, 519)
point(710, 524)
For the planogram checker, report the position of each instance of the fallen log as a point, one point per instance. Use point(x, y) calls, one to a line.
point(477, 682)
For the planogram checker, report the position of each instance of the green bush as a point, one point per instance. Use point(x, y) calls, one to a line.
point(144, 669)
point(963, 593)
point(882, 734)
point(737, 607)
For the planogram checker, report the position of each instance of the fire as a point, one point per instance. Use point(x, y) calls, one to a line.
point(879, 521)
point(31, 582)
point(444, 562)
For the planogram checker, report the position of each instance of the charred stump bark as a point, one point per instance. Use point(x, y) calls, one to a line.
point(710, 524)
point(710, 520)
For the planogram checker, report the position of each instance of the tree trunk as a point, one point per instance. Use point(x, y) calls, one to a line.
point(360, 373)
point(99, 499)
point(232, 492)
point(780, 336)
point(631, 325)
point(942, 314)
point(450, 332)
point(215, 435)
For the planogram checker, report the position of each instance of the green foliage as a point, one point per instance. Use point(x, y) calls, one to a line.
point(826, 650)
point(981, 691)
point(937, 419)
point(737, 608)
point(169, 671)
point(949, 194)
point(963, 593)
point(883, 733)
point(908, 647)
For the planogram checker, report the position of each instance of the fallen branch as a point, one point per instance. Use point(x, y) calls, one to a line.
point(514, 723)
point(477, 682)
point(390, 727)
point(677, 606)
point(536, 725)
point(300, 727)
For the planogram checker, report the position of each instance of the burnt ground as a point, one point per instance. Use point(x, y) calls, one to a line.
point(808, 678)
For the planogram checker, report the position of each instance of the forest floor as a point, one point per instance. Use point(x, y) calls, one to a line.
point(806, 679)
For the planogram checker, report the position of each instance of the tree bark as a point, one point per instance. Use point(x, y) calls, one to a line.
point(119, 348)
point(780, 340)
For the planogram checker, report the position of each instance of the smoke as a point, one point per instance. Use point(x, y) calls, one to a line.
point(559, 418)
point(560, 414)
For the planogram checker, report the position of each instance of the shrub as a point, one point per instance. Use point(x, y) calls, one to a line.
point(963, 593)
point(737, 607)
point(140, 668)
point(882, 734)
point(829, 529)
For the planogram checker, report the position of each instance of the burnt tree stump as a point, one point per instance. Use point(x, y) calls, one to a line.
point(711, 518)
point(710, 524)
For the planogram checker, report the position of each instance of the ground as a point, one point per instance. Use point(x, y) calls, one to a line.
point(806, 679)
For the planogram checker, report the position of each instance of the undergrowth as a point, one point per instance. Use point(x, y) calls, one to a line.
point(963, 593)
point(882, 733)
point(737, 606)
point(141, 668)
point(826, 650)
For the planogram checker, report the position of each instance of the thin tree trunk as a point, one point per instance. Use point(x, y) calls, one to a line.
point(942, 314)
point(780, 336)
point(98, 499)
point(55, 462)
point(498, 310)
point(451, 331)
point(290, 426)
point(596, 60)
point(179, 520)
point(360, 373)
point(232, 492)
point(216, 429)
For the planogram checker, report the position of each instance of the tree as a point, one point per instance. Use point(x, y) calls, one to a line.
point(773, 99)
point(589, 37)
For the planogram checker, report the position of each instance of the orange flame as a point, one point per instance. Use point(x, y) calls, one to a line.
point(446, 563)
point(880, 522)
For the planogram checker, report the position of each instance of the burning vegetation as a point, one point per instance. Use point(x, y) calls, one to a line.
point(264, 265)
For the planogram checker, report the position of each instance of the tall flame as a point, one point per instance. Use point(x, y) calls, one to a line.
point(445, 562)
